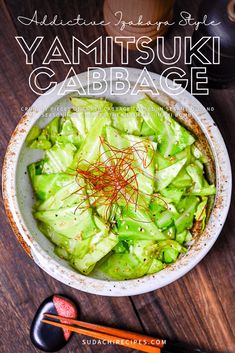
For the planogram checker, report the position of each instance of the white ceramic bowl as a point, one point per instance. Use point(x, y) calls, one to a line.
point(18, 197)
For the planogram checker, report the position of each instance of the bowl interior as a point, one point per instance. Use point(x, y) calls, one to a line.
point(190, 113)
point(24, 190)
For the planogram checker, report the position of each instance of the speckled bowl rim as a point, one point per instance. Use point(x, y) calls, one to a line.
point(130, 287)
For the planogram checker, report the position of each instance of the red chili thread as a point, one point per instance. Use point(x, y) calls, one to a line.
point(112, 178)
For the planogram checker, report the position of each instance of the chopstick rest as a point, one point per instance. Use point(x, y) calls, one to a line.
point(49, 338)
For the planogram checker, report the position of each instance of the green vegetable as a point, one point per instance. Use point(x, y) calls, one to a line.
point(169, 250)
point(129, 265)
point(41, 143)
point(35, 169)
point(65, 196)
point(70, 222)
point(58, 158)
point(172, 193)
point(57, 238)
point(144, 179)
point(69, 133)
point(33, 135)
point(200, 214)
point(165, 219)
point(62, 253)
point(181, 237)
point(170, 232)
point(182, 180)
point(47, 136)
point(146, 130)
point(198, 154)
point(89, 104)
point(123, 266)
point(172, 136)
point(137, 224)
point(186, 207)
point(156, 266)
point(118, 189)
point(128, 121)
point(121, 247)
point(170, 255)
point(196, 173)
point(205, 191)
point(46, 185)
point(89, 149)
point(165, 176)
point(96, 252)
point(78, 120)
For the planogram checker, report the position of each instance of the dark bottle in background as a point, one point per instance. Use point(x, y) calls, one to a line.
point(220, 75)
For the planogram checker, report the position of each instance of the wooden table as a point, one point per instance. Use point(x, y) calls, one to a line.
point(198, 308)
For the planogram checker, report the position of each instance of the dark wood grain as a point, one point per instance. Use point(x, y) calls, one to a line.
point(197, 309)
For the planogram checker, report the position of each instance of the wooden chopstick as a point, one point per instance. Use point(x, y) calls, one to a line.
point(112, 331)
point(107, 337)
